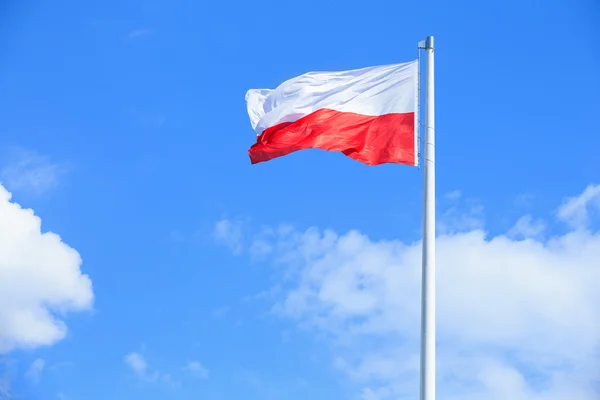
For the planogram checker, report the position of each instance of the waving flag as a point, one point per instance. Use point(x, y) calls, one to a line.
point(368, 114)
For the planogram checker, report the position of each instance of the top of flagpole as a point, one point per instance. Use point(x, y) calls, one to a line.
point(427, 43)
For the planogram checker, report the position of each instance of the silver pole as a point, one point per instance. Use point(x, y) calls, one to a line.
point(428, 273)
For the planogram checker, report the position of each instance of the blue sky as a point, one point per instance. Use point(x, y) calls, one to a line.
point(124, 129)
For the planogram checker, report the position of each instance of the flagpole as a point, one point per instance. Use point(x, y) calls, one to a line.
point(428, 273)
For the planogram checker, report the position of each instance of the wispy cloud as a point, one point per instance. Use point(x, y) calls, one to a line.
point(26, 170)
point(138, 33)
point(453, 195)
point(35, 370)
point(575, 211)
point(8, 374)
point(229, 233)
point(5, 392)
point(462, 216)
point(138, 364)
point(196, 369)
point(526, 227)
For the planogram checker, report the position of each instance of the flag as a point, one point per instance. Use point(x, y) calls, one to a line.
point(368, 114)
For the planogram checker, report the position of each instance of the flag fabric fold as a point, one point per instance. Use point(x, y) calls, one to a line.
point(368, 114)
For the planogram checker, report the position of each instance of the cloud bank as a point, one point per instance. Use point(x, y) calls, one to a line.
point(518, 315)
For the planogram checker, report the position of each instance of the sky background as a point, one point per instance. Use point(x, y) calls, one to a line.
point(181, 271)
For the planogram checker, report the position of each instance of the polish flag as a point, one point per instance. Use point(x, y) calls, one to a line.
point(368, 114)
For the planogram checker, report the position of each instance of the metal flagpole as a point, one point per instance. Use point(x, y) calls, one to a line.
point(428, 273)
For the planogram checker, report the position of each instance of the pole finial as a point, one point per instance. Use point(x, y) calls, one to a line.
point(429, 42)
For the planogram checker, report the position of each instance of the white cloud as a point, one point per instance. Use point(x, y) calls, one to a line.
point(35, 370)
point(517, 319)
point(138, 364)
point(29, 171)
point(40, 280)
point(229, 233)
point(575, 210)
point(196, 369)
